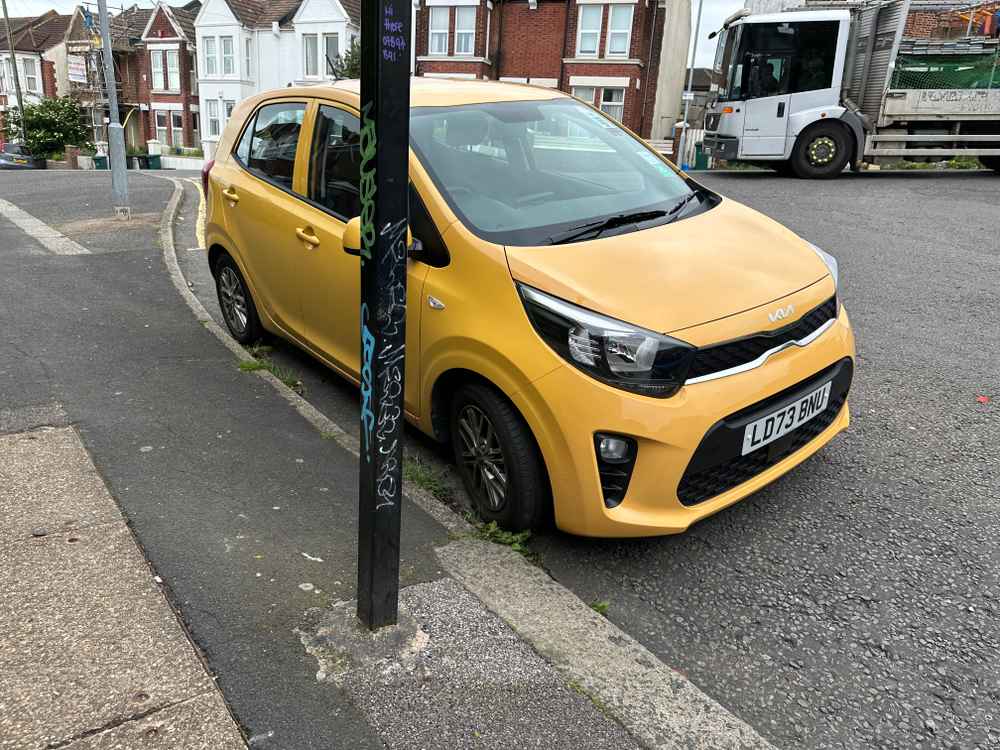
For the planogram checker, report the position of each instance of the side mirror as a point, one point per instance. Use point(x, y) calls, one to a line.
point(352, 236)
point(352, 241)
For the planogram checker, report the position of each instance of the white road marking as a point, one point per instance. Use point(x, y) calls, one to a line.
point(53, 241)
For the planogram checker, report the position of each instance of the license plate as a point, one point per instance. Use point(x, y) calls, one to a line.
point(778, 424)
point(20, 161)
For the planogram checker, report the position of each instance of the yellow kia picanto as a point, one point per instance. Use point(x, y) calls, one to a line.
point(596, 335)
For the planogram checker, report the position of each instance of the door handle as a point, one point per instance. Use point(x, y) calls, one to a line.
point(305, 234)
point(781, 109)
point(230, 195)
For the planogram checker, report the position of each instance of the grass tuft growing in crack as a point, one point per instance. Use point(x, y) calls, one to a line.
point(600, 607)
point(286, 376)
point(428, 478)
point(518, 541)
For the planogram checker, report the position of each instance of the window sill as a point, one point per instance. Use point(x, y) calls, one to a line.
point(604, 61)
point(453, 58)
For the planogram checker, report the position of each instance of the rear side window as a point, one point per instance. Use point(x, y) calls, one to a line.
point(243, 149)
point(335, 166)
point(275, 141)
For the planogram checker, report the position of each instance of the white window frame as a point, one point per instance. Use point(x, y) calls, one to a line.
point(228, 106)
point(465, 34)
point(588, 10)
point(437, 33)
point(248, 57)
point(615, 110)
point(157, 70)
point(161, 131)
point(313, 58)
point(193, 75)
point(578, 93)
point(489, 15)
point(30, 76)
point(212, 123)
point(325, 62)
point(228, 58)
point(3, 78)
point(210, 53)
point(613, 10)
point(172, 67)
point(176, 134)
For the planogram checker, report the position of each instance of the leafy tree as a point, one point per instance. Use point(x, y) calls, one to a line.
point(49, 126)
point(348, 65)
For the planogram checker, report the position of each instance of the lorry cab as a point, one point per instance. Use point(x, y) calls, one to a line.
point(777, 84)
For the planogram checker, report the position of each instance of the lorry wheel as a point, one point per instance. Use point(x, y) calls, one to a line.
point(991, 162)
point(821, 152)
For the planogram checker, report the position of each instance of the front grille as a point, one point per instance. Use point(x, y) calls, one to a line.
point(712, 121)
point(712, 359)
point(707, 477)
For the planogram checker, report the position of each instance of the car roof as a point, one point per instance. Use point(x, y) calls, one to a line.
point(433, 92)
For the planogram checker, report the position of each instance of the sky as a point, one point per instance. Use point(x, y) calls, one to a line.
point(713, 13)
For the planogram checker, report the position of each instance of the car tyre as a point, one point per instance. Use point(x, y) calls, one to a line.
point(821, 152)
point(498, 459)
point(236, 302)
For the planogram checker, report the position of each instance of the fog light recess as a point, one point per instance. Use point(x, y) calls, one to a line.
point(616, 456)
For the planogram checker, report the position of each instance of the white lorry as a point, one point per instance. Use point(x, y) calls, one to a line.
point(809, 91)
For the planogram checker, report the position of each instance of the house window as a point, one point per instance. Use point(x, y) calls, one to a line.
point(613, 103)
point(310, 49)
point(228, 106)
point(619, 31)
point(156, 69)
point(588, 36)
point(173, 71)
point(247, 58)
point(586, 93)
point(211, 62)
point(228, 57)
point(465, 30)
point(193, 75)
point(439, 31)
point(177, 128)
point(161, 127)
point(212, 115)
point(3, 77)
point(331, 51)
point(30, 73)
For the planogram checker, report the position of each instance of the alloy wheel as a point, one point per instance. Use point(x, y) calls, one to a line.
point(233, 300)
point(482, 456)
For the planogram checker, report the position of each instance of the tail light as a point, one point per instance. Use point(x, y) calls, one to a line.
point(205, 170)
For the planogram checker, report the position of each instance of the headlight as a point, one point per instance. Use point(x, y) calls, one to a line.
point(831, 263)
point(616, 353)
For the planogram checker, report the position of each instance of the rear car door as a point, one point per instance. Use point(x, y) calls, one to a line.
point(259, 205)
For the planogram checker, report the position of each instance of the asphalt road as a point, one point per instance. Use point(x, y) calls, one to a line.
point(856, 602)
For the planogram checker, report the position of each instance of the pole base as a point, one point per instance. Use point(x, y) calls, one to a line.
point(123, 213)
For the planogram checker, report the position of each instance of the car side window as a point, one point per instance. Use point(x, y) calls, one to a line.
point(335, 163)
point(243, 148)
point(275, 141)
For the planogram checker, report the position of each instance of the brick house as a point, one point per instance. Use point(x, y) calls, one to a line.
point(38, 54)
point(606, 52)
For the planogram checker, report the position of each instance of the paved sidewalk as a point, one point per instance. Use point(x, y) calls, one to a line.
point(93, 656)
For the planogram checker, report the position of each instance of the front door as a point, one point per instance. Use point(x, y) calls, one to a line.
point(766, 113)
point(331, 294)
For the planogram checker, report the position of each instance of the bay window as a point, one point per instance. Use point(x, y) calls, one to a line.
point(465, 30)
point(619, 31)
point(588, 35)
point(212, 116)
point(586, 93)
point(156, 69)
point(228, 56)
point(173, 71)
point(211, 62)
point(30, 73)
point(177, 128)
point(331, 51)
point(247, 58)
point(310, 51)
point(438, 31)
point(161, 127)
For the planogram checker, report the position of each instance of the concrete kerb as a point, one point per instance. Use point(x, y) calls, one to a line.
point(658, 706)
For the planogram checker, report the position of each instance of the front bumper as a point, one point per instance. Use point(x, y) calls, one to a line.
point(669, 433)
point(725, 147)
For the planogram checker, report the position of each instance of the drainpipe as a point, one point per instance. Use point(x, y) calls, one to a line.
point(562, 65)
point(499, 6)
point(649, 67)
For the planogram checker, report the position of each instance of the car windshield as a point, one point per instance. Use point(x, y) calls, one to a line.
point(524, 173)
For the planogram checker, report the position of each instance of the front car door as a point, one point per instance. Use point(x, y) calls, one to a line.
point(331, 290)
point(766, 122)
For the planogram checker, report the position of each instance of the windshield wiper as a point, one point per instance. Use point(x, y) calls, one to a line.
point(679, 206)
point(602, 225)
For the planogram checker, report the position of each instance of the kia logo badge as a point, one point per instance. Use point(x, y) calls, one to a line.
point(781, 313)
